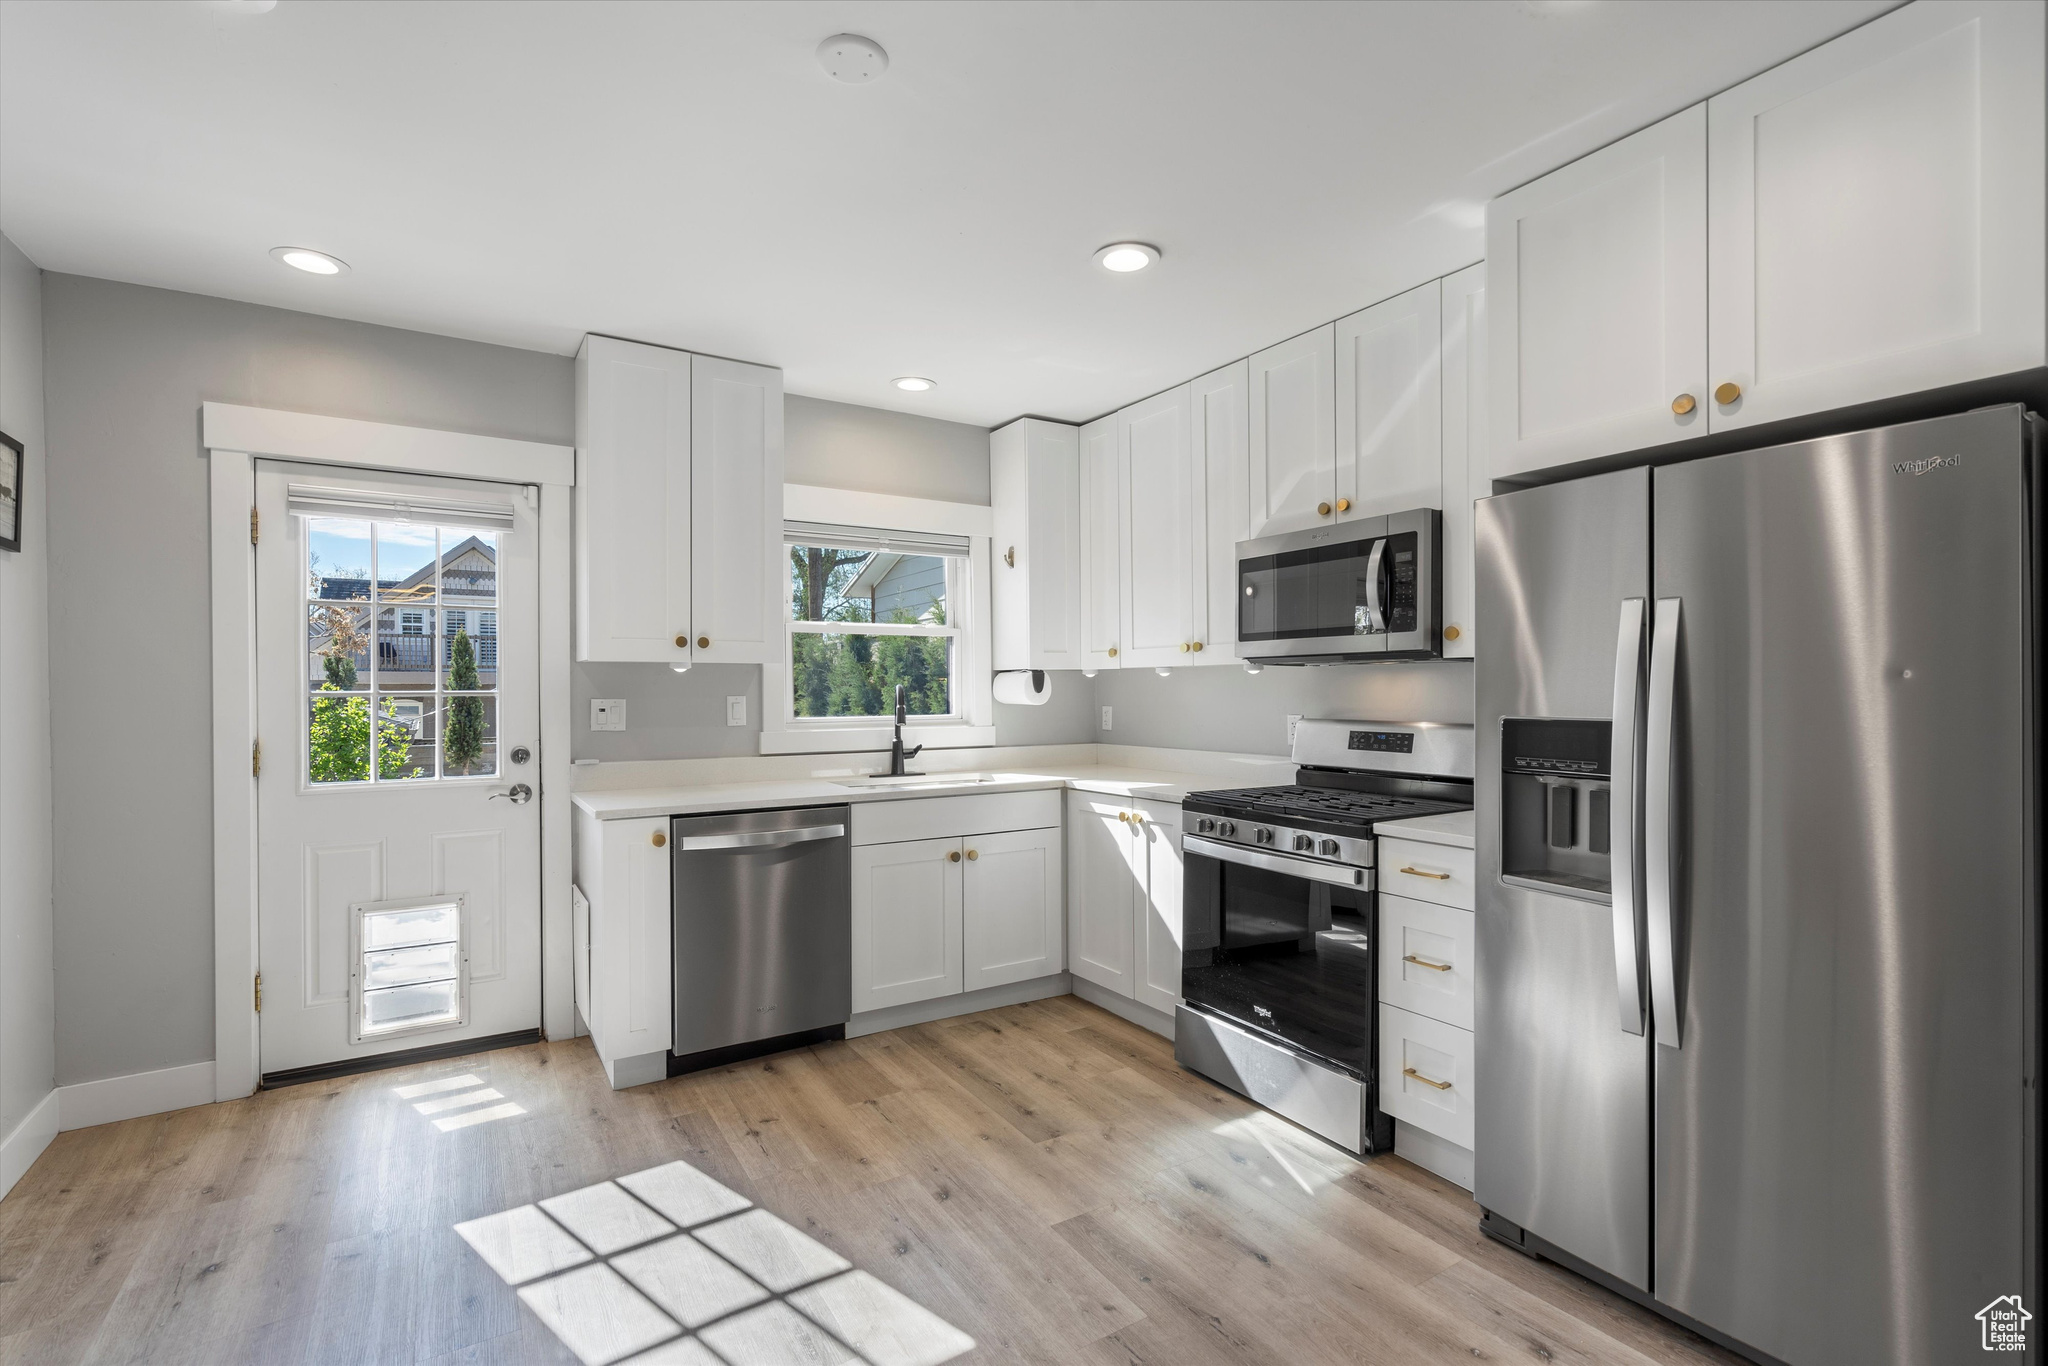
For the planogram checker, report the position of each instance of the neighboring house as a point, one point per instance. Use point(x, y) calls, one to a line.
point(902, 587)
point(405, 638)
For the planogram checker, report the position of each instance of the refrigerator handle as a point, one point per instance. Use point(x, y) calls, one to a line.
point(1626, 852)
point(1660, 892)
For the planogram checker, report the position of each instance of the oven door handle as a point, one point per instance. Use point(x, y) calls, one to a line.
point(1336, 874)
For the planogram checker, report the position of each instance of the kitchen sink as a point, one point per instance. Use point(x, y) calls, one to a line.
point(913, 780)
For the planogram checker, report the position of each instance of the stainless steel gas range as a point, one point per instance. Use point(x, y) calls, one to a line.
point(1280, 925)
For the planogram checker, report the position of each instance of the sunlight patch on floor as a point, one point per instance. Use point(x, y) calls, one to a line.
point(667, 1267)
point(1307, 1164)
point(474, 1093)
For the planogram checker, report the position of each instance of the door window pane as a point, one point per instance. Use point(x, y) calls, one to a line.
point(406, 647)
point(405, 561)
point(469, 566)
point(337, 738)
point(337, 559)
point(469, 736)
point(338, 646)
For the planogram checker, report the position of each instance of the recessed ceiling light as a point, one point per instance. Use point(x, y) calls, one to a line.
point(915, 384)
point(310, 261)
point(1125, 257)
point(853, 59)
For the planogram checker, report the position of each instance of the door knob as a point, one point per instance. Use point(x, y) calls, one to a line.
point(1727, 393)
point(1684, 404)
point(1322, 509)
point(1343, 505)
point(519, 794)
point(703, 642)
point(520, 754)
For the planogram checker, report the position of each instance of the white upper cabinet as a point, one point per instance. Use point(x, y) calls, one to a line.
point(632, 502)
point(1161, 556)
point(1102, 522)
point(1034, 478)
point(1291, 477)
point(1464, 463)
point(1219, 426)
point(1597, 333)
point(738, 572)
point(1389, 406)
point(1876, 214)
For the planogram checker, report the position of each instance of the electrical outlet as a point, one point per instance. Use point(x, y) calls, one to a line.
point(607, 713)
point(1105, 718)
point(1292, 722)
point(735, 711)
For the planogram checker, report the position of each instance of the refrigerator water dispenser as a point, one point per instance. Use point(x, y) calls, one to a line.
point(1555, 823)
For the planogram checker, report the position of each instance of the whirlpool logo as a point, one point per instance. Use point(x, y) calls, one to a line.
point(1927, 464)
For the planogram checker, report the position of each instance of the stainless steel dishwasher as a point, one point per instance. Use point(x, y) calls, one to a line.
point(763, 933)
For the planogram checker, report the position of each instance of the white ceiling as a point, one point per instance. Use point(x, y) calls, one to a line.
point(687, 174)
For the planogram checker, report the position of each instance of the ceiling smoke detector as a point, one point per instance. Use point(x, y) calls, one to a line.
point(850, 58)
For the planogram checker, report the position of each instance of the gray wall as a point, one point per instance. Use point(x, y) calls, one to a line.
point(27, 984)
point(127, 370)
point(1229, 709)
point(842, 446)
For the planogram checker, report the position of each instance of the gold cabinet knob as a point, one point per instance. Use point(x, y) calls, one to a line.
point(1196, 647)
point(953, 856)
point(1684, 404)
point(683, 642)
point(1184, 647)
point(1727, 393)
point(1452, 633)
point(1343, 505)
point(973, 854)
point(703, 642)
point(1124, 816)
point(1322, 509)
point(1112, 652)
point(658, 839)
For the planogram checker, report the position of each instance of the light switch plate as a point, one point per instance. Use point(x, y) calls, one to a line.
point(735, 711)
point(1105, 718)
point(1292, 722)
point(607, 713)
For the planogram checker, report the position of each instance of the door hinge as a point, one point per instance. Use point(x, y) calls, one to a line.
point(259, 993)
point(254, 526)
point(256, 759)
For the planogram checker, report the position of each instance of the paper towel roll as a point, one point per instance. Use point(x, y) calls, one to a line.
point(1023, 687)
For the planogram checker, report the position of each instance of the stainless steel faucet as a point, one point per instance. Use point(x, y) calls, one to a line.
point(897, 753)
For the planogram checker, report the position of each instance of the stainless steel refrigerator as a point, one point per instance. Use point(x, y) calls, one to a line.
point(1759, 932)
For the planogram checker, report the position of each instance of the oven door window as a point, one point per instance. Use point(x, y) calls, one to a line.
point(1329, 590)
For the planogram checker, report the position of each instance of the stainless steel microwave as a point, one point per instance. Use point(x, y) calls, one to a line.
point(1356, 592)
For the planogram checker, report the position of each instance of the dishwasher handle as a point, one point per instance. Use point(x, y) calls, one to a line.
point(761, 839)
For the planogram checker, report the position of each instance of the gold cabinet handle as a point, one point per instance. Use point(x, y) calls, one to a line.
point(1343, 505)
point(1124, 816)
point(683, 641)
point(973, 854)
point(1196, 647)
point(1452, 633)
point(1418, 872)
point(1322, 509)
point(953, 856)
point(659, 839)
point(1425, 963)
point(1684, 404)
point(703, 642)
point(1727, 393)
point(1184, 647)
point(1112, 652)
point(1426, 1081)
point(1010, 557)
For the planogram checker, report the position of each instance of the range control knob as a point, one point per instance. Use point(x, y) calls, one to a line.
point(1304, 843)
point(1330, 849)
point(1263, 835)
point(1226, 828)
point(1204, 825)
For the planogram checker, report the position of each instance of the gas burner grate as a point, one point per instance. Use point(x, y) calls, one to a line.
point(1319, 802)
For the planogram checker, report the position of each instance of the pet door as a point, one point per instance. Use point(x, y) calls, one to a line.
point(408, 967)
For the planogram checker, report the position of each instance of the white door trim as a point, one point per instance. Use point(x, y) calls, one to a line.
point(234, 437)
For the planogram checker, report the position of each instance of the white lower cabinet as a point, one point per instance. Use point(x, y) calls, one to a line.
point(1427, 965)
point(1123, 897)
point(1013, 927)
point(624, 963)
point(907, 920)
point(1426, 1074)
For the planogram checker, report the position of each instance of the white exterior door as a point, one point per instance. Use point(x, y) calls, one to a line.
point(1218, 425)
point(1464, 462)
point(1158, 931)
point(1102, 522)
point(1291, 477)
point(1013, 907)
point(1161, 568)
point(398, 705)
point(1597, 331)
point(1877, 216)
point(906, 922)
point(1389, 406)
point(738, 570)
point(1102, 878)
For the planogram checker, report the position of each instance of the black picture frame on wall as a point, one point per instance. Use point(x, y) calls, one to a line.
point(13, 469)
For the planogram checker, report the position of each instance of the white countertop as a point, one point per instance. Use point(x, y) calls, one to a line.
point(634, 803)
point(1454, 828)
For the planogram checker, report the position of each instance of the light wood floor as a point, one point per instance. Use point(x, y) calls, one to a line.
point(1043, 1176)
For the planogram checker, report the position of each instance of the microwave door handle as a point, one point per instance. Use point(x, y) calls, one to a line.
point(1375, 619)
point(1660, 891)
point(1626, 856)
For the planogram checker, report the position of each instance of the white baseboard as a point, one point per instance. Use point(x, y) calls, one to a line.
point(1143, 1016)
point(20, 1149)
point(966, 1003)
point(1439, 1155)
point(140, 1093)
